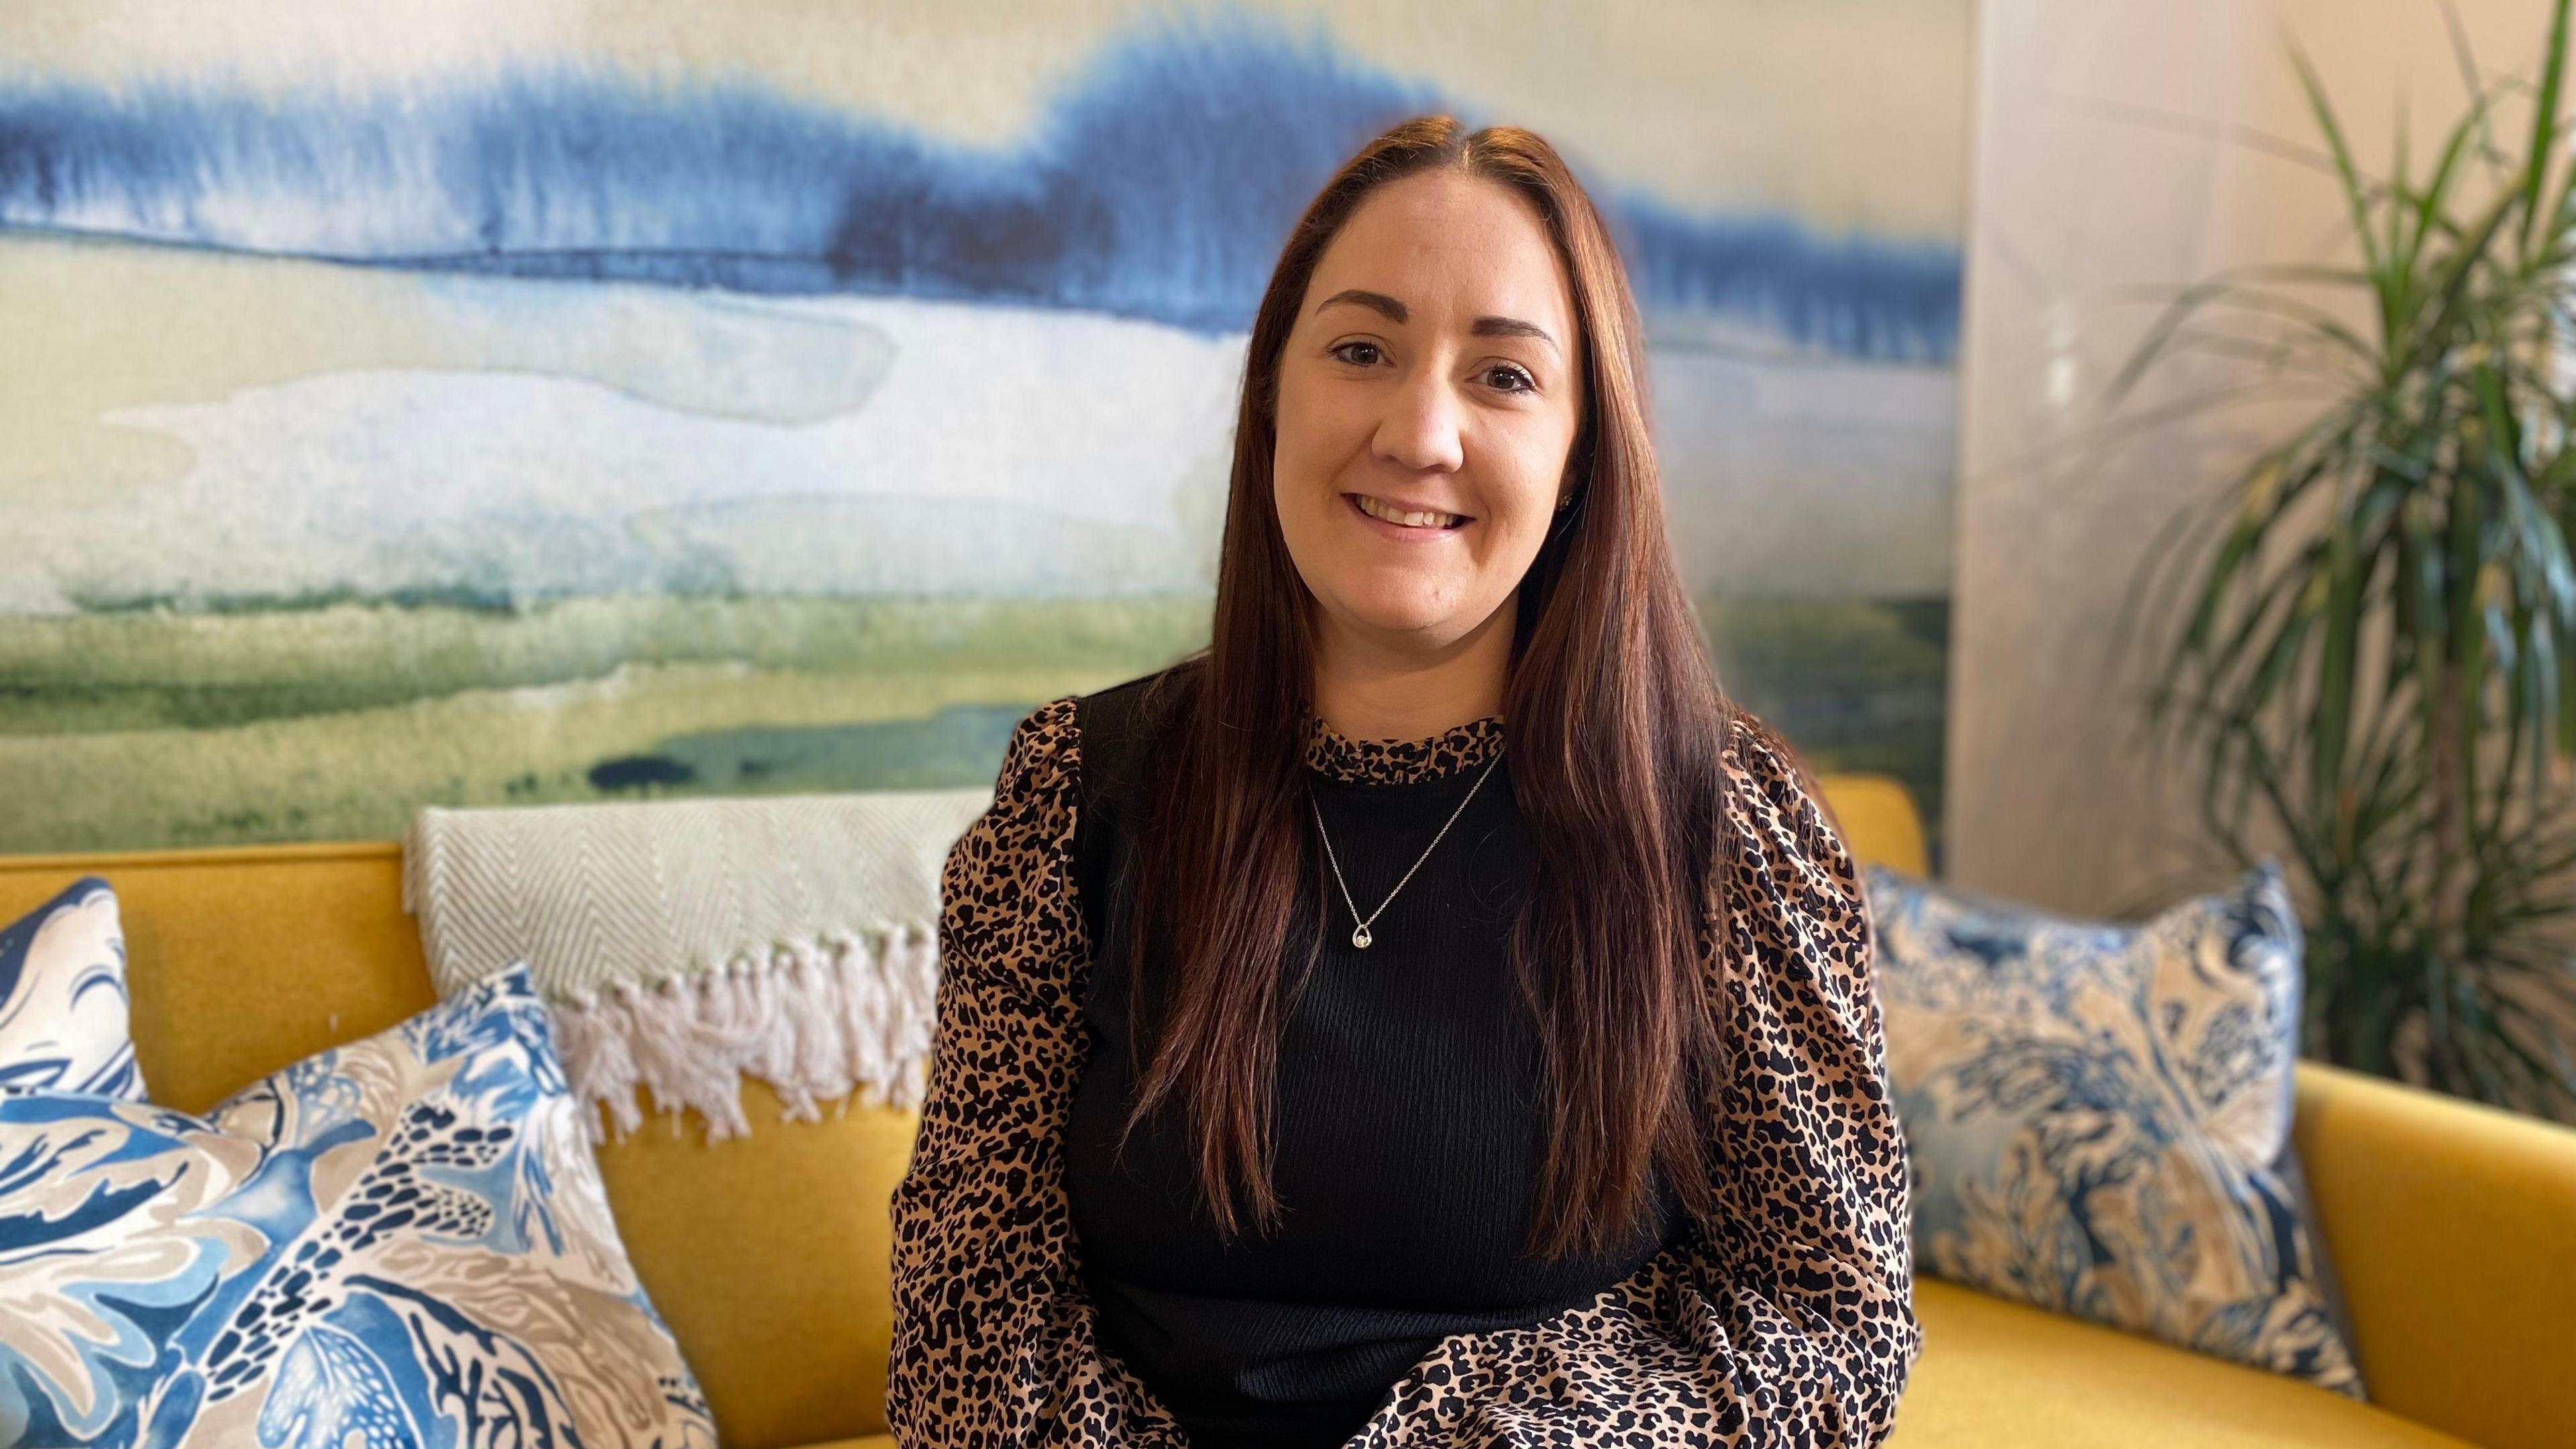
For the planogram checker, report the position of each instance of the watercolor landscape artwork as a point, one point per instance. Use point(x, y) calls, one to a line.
point(396, 410)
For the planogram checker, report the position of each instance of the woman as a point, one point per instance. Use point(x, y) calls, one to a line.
point(1309, 1071)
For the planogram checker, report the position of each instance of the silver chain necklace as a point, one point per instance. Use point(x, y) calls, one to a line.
point(1360, 936)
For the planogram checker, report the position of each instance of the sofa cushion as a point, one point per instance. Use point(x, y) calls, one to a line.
point(63, 1010)
point(1997, 1374)
point(2097, 1115)
point(402, 1241)
point(766, 1254)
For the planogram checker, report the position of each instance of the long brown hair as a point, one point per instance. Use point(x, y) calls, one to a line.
point(1616, 728)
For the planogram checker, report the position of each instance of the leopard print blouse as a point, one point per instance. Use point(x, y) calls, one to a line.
point(1790, 1322)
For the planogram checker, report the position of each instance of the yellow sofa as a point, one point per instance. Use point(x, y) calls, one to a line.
point(2453, 1225)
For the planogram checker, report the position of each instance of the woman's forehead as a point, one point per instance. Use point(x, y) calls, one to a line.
point(1450, 249)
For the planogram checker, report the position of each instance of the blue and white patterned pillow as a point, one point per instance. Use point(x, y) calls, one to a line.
point(2098, 1115)
point(63, 1025)
point(403, 1241)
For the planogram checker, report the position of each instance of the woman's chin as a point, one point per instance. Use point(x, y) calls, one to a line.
point(1410, 613)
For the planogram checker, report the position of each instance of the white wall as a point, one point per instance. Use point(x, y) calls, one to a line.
point(2119, 143)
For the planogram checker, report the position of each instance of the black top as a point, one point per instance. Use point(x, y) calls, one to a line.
point(1409, 1123)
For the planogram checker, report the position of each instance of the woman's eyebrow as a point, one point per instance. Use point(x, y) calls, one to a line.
point(1395, 311)
point(1379, 302)
point(1511, 327)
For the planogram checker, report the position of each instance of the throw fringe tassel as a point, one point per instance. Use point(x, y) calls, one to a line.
point(822, 1021)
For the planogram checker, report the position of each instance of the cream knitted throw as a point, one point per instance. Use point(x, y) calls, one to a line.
point(686, 944)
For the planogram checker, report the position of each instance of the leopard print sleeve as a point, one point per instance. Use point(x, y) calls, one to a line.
point(1817, 1261)
point(994, 1341)
point(1791, 1321)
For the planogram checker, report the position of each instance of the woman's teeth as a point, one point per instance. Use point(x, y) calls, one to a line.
point(1375, 509)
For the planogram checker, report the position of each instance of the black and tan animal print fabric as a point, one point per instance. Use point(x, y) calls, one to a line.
point(1790, 1322)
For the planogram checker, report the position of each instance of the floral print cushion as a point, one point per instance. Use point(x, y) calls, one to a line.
point(2098, 1116)
point(401, 1243)
point(63, 1025)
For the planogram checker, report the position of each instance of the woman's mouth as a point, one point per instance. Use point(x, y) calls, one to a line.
point(1405, 523)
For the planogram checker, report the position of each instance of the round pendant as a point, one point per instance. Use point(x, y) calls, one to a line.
point(1360, 937)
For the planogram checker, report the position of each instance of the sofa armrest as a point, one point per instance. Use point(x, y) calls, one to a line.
point(2452, 1225)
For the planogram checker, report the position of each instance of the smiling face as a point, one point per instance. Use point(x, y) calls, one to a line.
point(1429, 395)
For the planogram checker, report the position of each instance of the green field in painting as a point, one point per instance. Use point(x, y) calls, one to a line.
point(335, 719)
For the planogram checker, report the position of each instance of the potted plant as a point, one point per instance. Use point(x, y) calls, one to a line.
point(2373, 625)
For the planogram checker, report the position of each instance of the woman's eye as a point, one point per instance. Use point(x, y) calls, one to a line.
point(1510, 378)
point(1358, 354)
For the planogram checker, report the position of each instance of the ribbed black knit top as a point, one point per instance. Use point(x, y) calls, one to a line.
point(1409, 1112)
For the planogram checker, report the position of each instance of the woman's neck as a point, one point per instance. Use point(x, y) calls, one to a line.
point(1371, 688)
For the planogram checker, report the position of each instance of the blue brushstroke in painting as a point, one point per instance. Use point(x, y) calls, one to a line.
point(1158, 183)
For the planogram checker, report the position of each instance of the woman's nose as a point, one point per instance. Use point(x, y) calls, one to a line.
point(1419, 430)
